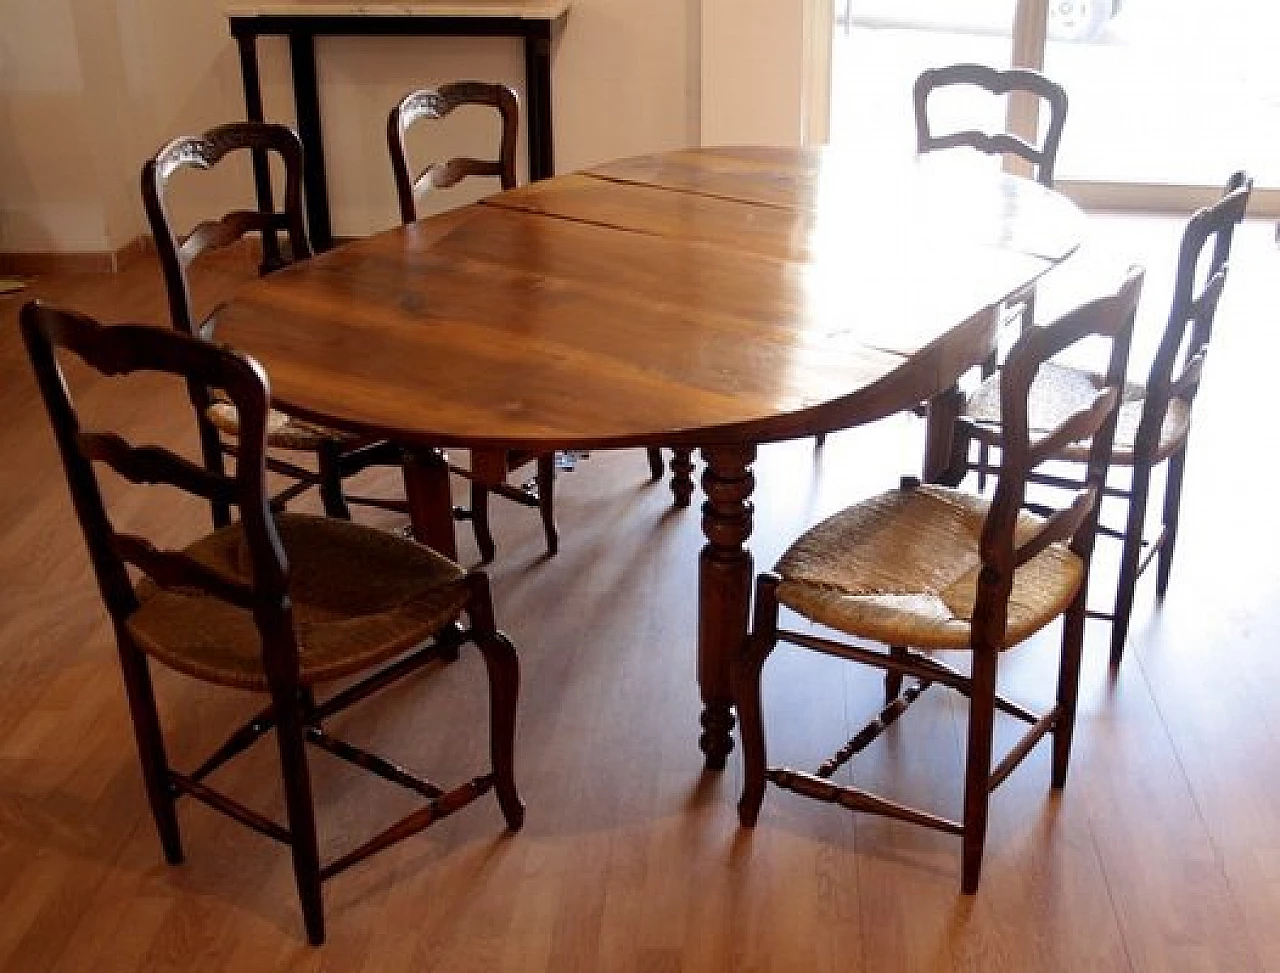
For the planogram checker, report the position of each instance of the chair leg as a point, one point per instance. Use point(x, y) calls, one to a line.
point(1068, 685)
point(745, 671)
point(1129, 560)
point(301, 811)
point(546, 501)
point(892, 679)
point(1172, 503)
point(150, 742)
point(977, 775)
point(503, 667)
point(819, 440)
point(335, 504)
point(657, 465)
point(480, 522)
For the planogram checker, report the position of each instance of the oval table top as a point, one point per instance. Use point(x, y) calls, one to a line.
point(693, 297)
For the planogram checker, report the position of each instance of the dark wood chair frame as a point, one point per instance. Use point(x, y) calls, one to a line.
point(1175, 372)
point(431, 104)
point(336, 458)
point(1042, 155)
point(293, 712)
point(1111, 317)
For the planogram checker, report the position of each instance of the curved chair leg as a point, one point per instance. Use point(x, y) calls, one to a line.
point(1172, 503)
point(893, 680)
point(1129, 560)
point(503, 667)
point(546, 501)
point(745, 671)
point(657, 465)
point(146, 730)
point(977, 774)
point(1068, 685)
point(301, 811)
point(335, 504)
point(480, 522)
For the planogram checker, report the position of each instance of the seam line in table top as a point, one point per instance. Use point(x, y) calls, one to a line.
point(689, 191)
point(496, 202)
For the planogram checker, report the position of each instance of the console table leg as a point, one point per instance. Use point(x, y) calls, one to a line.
point(248, 47)
point(724, 589)
point(537, 74)
point(306, 98)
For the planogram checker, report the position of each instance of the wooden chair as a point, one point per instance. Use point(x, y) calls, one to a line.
point(932, 568)
point(338, 454)
point(1041, 155)
point(1155, 420)
point(432, 104)
point(271, 604)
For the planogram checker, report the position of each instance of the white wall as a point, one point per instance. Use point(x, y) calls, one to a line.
point(89, 88)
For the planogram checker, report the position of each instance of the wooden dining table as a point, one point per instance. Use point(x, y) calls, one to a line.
point(714, 299)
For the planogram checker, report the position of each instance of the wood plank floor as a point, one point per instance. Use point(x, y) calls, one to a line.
point(1163, 852)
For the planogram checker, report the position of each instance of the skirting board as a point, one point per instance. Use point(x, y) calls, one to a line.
point(23, 264)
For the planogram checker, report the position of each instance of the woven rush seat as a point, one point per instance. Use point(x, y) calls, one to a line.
point(902, 568)
point(359, 596)
point(1058, 391)
point(283, 431)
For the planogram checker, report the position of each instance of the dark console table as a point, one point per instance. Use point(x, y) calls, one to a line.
point(302, 21)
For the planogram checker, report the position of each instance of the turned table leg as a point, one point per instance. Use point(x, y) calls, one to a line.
point(724, 589)
point(426, 485)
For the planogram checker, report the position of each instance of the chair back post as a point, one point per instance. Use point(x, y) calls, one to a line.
point(1184, 345)
point(436, 103)
point(123, 350)
point(1042, 155)
point(1000, 547)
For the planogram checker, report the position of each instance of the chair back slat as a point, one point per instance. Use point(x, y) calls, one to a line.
point(1077, 427)
point(1187, 384)
point(216, 234)
point(1060, 525)
point(1110, 318)
point(1043, 155)
point(154, 464)
point(124, 350)
point(173, 569)
point(436, 103)
point(442, 175)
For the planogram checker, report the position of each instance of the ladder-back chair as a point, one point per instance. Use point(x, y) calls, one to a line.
point(926, 569)
point(277, 603)
point(1155, 419)
point(338, 454)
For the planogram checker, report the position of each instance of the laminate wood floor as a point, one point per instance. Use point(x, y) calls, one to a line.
point(1162, 854)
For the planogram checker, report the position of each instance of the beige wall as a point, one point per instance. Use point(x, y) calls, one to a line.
point(88, 88)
